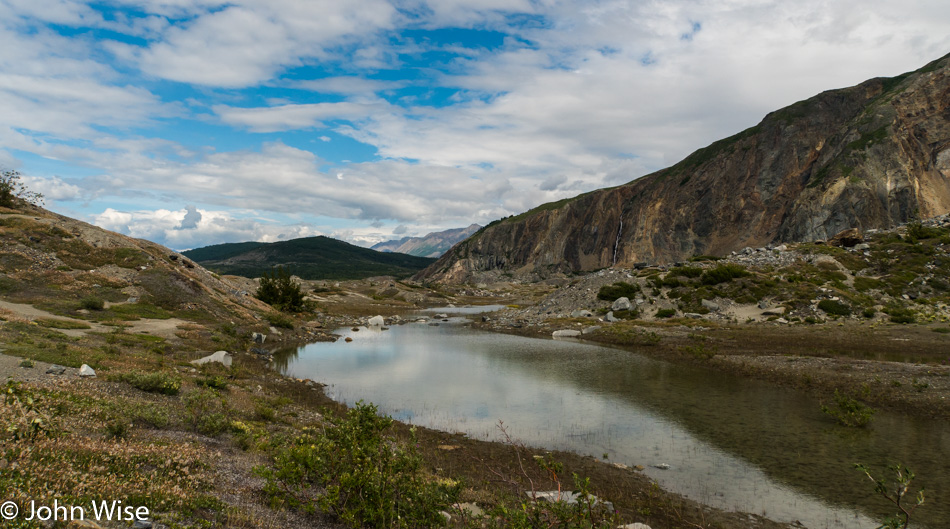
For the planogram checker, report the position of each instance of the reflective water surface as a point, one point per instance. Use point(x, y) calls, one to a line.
point(730, 442)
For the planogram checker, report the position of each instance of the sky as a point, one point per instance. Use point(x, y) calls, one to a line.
point(199, 122)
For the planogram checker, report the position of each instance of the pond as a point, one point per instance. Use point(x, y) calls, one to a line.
point(733, 443)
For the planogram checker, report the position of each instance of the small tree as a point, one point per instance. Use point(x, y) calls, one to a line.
point(280, 291)
point(897, 496)
point(13, 190)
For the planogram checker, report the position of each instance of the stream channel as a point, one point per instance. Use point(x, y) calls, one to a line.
point(730, 442)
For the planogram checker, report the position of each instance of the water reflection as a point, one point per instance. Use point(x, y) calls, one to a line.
point(730, 442)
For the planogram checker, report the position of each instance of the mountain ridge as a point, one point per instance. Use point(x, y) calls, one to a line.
point(317, 257)
point(433, 244)
point(868, 156)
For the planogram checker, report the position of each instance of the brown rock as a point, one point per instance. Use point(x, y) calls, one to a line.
point(847, 238)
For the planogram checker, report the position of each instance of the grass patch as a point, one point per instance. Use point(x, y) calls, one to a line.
point(53, 323)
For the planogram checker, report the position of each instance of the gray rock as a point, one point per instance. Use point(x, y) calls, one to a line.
point(693, 315)
point(258, 337)
point(86, 371)
point(777, 311)
point(581, 314)
point(441, 316)
point(610, 317)
point(662, 466)
point(568, 497)
point(142, 524)
point(588, 330)
point(222, 357)
point(763, 304)
point(275, 330)
point(861, 247)
point(55, 370)
point(376, 321)
point(636, 525)
point(566, 333)
point(711, 305)
point(622, 304)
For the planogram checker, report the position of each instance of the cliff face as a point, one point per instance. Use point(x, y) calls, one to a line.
point(432, 245)
point(869, 156)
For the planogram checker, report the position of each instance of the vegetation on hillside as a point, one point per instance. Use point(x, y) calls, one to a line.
point(307, 258)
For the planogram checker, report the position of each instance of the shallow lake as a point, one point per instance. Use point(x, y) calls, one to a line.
point(733, 443)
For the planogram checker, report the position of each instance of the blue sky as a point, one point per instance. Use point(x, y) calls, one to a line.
point(368, 120)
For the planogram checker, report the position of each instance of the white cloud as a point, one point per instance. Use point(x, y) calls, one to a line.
point(249, 41)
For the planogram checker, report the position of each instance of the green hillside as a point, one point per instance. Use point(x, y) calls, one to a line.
point(308, 258)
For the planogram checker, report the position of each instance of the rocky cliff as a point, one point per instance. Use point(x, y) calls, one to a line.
point(870, 156)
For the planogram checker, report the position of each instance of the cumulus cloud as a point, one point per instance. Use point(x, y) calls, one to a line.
point(577, 95)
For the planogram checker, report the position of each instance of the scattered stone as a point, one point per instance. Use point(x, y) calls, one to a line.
point(622, 304)
point(777, 311)
point(274, 330)
point(568, 497)
point(222, 357)
point(693, 315)
point(55, 370)
point(142, 524)
point(636, 525)
point(711, 305)
point(86, 371)
point(472, 509)
point(763, 304)
point(781, 248)
point(611, 318)
point(441, 316)
point(376, 321)
point(260, 350)
point(348, 339)
point(589, 330)
point(566, 333)
point(662, 466)
point(258, 337)
point(862, 247)
point(581, 314)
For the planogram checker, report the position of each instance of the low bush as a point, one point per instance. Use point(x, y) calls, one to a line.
point(723, 273)
point(365, 477)
point(834, 308)
point(666, 313)
point(847, 411)
point(92, 303)
point(617, 290)
point(158, 382)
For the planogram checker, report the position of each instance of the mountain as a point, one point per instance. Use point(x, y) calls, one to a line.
point(432, 245)
point(869, 156)
point(308, 258)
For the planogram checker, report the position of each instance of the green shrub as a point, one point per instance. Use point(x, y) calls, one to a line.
point(205, 413)
point(848, 411)
point(900, 314)
point(280, 291)
point(686, 271)
point(617, 290)
point(279, 320)
point(92, 303)
point(364, 476)
point(869, 312)
point(834, 308)
point(213, 382)
point(13, 190)
point(666, 313)
point(723, 273)
point(157, 382)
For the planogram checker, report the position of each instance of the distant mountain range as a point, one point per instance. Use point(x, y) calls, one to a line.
point(308, 258)
point(432, 245)
point(870, 156)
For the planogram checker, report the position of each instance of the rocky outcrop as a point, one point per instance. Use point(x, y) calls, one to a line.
point(431, 245)
point(869, 156)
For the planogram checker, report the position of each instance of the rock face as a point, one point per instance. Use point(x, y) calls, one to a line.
point(432, 245)
point(869, 156)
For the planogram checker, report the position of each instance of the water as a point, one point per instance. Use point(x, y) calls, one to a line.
point(732, 443)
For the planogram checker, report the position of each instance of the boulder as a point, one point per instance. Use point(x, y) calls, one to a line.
point(86, 371)
point(588, 330)
point(258, 337)
point(777, 311)
point(610, 317)
point(566, 333)
point(55, 370)
point(862, 247)
point(622, 304)
point(222, 357)
point(581, 314)
point(711, 305)
point(376, 321)
point(847, 239)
